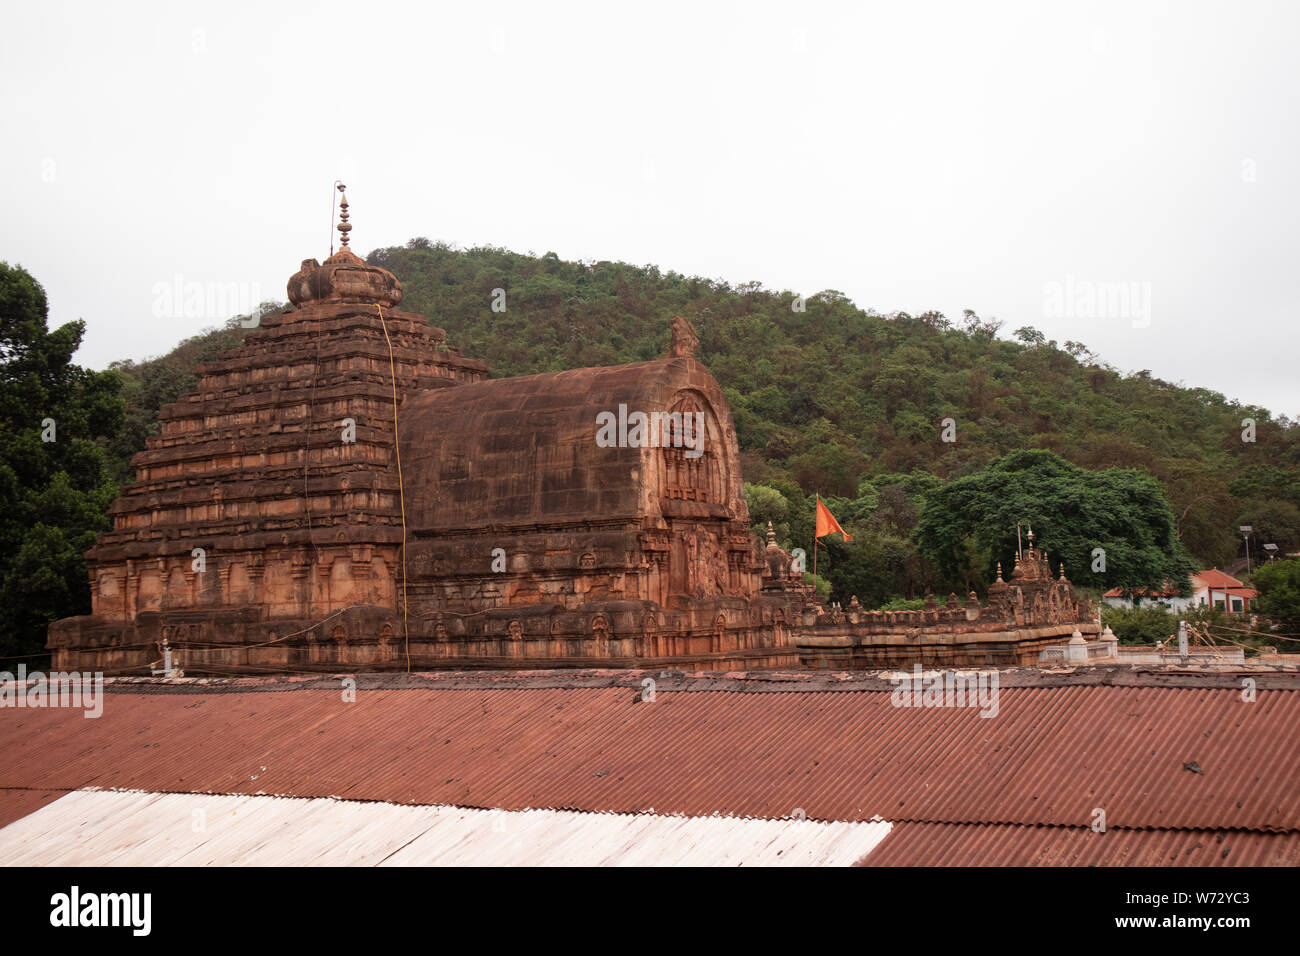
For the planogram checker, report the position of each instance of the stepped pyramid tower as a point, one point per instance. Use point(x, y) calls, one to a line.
point(270, 500)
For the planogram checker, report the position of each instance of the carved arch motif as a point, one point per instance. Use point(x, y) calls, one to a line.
point(694, 464)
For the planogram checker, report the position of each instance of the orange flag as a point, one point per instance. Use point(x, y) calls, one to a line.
point(826, 523)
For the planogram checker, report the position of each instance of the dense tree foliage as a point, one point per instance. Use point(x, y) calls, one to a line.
point(1111, 528)
point(56, 478)
point(1140, 625)
point(1278, 583)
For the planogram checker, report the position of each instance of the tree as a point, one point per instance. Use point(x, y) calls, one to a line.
point(56, 480)
point(873, 567)
point(1275, 522)
point(1112, 528)
point(978, 329)
point(1030, 336)
point(1140, 625)
point(1278, 583)
point(767, 504)
point(1080, 352)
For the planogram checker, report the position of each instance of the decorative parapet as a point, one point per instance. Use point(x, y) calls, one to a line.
point(1033, 598)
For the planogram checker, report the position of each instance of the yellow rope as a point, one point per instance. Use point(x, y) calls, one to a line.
point(401, 491)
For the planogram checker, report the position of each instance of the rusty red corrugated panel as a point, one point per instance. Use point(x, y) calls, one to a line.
point(996, 844)
point(1051, 756)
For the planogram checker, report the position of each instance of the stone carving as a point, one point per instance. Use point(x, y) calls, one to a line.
point(684, 339)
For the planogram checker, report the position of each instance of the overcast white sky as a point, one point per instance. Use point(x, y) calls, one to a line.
point(911, 155)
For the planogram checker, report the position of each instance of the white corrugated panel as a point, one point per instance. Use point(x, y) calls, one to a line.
point(114, 828)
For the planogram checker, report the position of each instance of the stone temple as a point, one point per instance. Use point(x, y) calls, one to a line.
point(347, 491)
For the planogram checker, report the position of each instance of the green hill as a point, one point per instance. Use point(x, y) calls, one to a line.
point(843, 401)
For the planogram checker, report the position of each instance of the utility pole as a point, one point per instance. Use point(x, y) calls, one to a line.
point(1245, 533)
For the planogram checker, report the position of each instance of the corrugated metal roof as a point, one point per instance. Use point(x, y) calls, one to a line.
point(991, 844)
point(16, 804)
point(1051, 756)
point(102, 828)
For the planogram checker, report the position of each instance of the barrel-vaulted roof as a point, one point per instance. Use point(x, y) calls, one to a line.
point(530, 449)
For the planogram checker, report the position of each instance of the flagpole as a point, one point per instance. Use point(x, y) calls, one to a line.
point(818, 497)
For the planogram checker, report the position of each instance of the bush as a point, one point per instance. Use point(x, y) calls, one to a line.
point(1278, 583)
point(1140, 625)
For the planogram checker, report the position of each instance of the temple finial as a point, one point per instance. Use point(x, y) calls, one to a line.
point(684, 340)
point(344, 226)
point(771, 536)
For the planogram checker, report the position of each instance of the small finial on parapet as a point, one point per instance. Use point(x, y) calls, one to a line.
point(771, 536)
point(684, 340)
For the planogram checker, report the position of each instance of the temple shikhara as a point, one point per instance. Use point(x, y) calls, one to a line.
point(347, 491)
